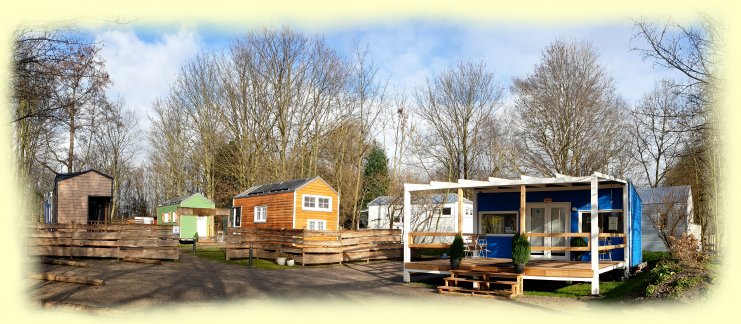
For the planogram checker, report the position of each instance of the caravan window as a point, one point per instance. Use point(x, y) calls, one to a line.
point(499, 223)
point(609, 222)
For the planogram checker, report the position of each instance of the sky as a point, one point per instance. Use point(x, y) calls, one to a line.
point(143, 61)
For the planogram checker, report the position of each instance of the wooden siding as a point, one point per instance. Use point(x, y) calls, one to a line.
point(279, 210)
point(188, 223)
point(72, 196)
point(319, 188)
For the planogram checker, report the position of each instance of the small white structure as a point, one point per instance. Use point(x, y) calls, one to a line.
point(431, 213)
point(671, 205)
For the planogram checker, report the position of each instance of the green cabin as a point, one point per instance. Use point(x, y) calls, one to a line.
point(188, 225)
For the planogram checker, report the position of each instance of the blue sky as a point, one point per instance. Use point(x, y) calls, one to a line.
point(143, 61)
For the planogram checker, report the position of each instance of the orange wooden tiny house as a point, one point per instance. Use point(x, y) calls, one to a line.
point(294, 204)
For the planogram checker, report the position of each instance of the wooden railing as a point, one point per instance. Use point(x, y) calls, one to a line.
point(314, 247)
point(103, 241)
point(413, 235)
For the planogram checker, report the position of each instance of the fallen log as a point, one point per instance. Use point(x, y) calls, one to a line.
point(49, 276)
point(139, 260)
point(65, 262)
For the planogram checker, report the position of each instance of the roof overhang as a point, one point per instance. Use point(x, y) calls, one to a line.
point(528, 181)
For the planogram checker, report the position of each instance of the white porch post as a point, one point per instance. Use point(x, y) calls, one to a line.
point(593, 231)
point(405, 233)
point(626, 229)
point(460, 210)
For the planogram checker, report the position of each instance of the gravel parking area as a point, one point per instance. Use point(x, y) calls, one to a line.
point(193, 279)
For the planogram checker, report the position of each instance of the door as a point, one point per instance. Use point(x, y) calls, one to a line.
point(548, 218)
point(202, 226)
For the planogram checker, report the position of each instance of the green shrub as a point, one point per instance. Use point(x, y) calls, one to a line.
point(457, 250)
point(520, 249)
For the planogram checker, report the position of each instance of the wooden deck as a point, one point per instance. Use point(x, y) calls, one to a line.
point(535, 269)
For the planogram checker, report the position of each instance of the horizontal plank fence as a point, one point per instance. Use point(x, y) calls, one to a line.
point(314, 247)
point(103, 241)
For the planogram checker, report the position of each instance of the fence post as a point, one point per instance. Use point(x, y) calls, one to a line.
point(250, 261)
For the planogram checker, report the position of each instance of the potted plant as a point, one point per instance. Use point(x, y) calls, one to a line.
point(520, 252)
point(577, 242)
point(289, 261)
point(456, 252)
point(280, 257)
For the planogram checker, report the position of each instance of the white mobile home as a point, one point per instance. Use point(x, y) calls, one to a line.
point(436, 212)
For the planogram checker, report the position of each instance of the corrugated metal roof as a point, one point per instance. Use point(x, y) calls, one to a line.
point(658, 195)
point(278, 187)
point(434, 199)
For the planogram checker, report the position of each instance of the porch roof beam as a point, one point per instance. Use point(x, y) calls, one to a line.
point(513, 183)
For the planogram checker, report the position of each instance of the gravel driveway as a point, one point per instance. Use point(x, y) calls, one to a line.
point(192, 279)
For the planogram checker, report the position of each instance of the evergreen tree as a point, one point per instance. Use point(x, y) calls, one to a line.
point(375, 175)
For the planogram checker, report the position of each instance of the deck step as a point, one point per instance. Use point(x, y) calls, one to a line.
point(475, 292)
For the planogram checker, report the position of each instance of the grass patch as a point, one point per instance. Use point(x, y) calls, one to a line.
point(218, 255)
point(611, 290)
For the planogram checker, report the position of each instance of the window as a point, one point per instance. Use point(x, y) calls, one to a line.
point(317, 225)
point(469, 211)
point(499, 223)
point(174, 217)
point(318, 203)
point(609, 222)
point(237, 217)
point(261, 214)
point(446, 211)
point(166, 217)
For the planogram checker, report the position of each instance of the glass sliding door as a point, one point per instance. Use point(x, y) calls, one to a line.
point(548, 218)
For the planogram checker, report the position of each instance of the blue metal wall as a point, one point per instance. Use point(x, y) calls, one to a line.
point(501, 246)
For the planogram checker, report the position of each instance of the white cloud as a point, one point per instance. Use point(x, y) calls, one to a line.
point(142, 70)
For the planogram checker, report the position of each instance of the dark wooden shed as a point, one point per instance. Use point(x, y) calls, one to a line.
point(83, 197)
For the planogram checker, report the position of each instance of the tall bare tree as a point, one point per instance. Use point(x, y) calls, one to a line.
point(657, 132)
point(570, 119)
point(455, 107)
point(693, 52)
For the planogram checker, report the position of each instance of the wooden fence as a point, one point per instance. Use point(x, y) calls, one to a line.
point(314, 247)
point(104, 241)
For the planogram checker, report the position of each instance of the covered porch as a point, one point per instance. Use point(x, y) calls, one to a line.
point(554, 213)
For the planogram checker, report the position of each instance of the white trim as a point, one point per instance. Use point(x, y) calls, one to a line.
point(312, 180)
point(407, 226)
point(316, 203)
point(254, 214)
point(543, 189)
point(497, 182)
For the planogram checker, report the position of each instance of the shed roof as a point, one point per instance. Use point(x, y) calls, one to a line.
point(658, 195)
point(178, 200)
point(434, 199)
point(276, 187)
point(64, 176)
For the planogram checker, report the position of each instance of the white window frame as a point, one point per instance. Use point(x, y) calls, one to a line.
point(264, 214)
point(174, 217)
point(234, 217)
point(316, 221)
point(315, 199)
point(499, 212)
point(166, 217)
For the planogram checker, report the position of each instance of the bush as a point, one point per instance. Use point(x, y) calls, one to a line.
point(457, 250)
point(686, 250)
point(520, 249)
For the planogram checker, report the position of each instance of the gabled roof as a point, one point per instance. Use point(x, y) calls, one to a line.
point(434, 199)
point(675, 194)
point(178, 200)
point(64, 176)
point(277, 187)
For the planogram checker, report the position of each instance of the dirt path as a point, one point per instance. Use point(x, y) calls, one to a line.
point(198, 280)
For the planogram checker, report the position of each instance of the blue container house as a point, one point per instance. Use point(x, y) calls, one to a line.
point(602, 211)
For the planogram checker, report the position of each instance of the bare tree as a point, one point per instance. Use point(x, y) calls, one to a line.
point(455, 107)
point(116, 144)
point(658, 137)
point(668, 214)
point(695, 53)
point(570, 119)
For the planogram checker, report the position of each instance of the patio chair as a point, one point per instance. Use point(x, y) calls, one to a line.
point(469, 248)
point(605, 255)
point(482, 243)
